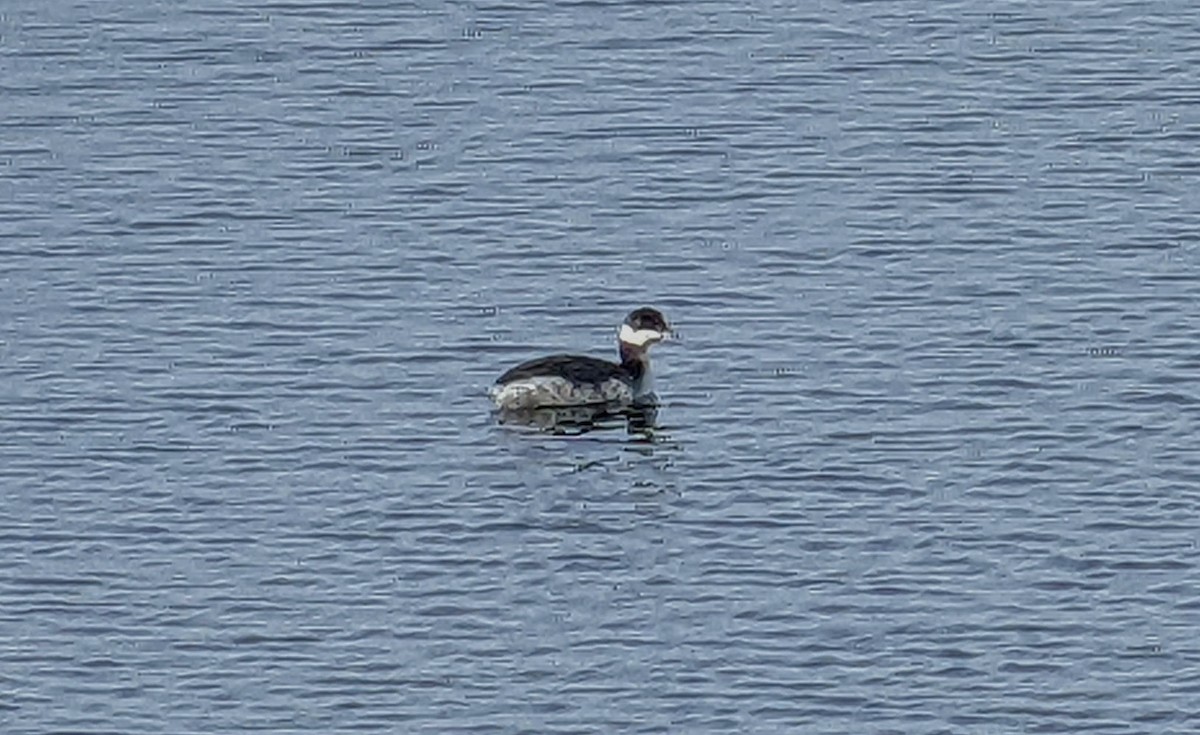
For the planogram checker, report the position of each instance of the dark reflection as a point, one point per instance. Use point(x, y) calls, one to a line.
point(638, 419)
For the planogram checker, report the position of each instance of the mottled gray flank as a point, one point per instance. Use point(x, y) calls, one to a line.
point(926, 460)
point(554, 391)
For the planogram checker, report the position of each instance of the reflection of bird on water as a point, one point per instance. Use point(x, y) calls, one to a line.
point(638, 418)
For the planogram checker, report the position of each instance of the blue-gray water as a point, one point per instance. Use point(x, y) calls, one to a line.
point(926, 456)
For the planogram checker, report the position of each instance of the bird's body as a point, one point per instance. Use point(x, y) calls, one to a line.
point(559, 381)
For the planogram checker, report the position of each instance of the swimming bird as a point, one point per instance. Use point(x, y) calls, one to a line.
point(559, 381)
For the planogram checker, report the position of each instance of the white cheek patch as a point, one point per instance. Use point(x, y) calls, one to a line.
point(639, 337)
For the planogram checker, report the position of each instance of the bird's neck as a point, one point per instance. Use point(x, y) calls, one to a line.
point(636, 362)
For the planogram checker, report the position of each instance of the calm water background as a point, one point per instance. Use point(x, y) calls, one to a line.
point(926, 460)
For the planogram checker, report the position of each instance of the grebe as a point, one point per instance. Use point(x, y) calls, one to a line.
point(561, 381)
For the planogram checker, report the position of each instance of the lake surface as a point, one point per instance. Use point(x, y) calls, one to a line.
point(925, 460)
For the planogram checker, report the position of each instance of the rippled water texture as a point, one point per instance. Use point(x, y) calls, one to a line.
point(925, 456)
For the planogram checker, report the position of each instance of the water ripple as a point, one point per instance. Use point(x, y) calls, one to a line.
point(923, 457)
